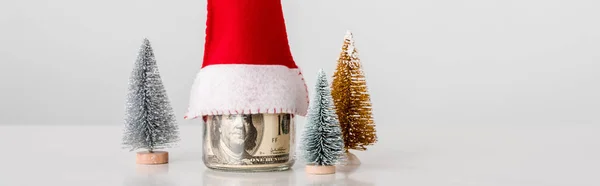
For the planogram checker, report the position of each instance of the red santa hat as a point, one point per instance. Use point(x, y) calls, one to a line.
point(247, 67)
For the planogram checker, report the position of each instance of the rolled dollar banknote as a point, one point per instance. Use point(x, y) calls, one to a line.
point(249, 141)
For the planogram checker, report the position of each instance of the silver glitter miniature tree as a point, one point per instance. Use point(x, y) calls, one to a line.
point(323, 145)
point(150, 123)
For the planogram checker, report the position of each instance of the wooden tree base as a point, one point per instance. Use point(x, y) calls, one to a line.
point(320, 169)
point(152, 158)
point(352, 159)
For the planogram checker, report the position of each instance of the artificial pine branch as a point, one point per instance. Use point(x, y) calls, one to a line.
point(150, 122)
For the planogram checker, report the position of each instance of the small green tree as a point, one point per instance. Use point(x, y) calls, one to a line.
point(322, 140)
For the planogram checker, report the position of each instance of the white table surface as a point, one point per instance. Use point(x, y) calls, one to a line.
point(92, 155)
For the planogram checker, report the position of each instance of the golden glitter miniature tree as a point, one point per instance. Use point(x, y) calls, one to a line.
point(352, 100)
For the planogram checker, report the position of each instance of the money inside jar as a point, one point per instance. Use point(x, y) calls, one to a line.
point(249, 142)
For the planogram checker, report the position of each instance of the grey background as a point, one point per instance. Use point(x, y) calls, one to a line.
point(431, 62)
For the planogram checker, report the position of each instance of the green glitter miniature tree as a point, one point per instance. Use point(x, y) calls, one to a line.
point(322, 141)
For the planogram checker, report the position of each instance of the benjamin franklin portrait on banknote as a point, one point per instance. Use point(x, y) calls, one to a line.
point(234, 137)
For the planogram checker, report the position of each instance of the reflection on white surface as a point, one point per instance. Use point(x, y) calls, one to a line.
point(326, 179)
point(290, 177)
point(349, 181)
point(150, 180)
point(347, 175)
point(221, 178)
point(151, 169)
point(419, 156)
point(150, 175)
point(346, 169)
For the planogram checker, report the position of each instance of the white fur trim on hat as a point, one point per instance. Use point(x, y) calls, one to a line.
point(247, 89)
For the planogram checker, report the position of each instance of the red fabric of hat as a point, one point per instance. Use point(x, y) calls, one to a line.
point(247, 67)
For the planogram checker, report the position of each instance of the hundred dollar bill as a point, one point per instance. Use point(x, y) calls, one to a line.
point(248, 139)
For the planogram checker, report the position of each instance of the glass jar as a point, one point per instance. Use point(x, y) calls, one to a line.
point(249, 142)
